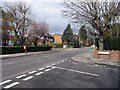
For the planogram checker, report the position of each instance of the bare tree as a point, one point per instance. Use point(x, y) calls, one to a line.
point(97, 14)
point(37, 31)
point(19, 18)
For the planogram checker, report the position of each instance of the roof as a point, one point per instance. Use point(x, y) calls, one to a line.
point(56, 34)
point(48, 35)
point(118, 9)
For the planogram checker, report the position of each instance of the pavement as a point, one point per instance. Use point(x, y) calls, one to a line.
point(87, 57)
point(23, 54)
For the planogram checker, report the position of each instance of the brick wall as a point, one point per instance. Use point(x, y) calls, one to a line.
point(113, 54)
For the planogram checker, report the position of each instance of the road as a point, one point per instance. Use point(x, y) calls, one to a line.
point(56, 70)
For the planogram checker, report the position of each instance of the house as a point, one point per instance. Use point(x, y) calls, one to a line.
point(46, 39)
point(0, 26)
point(6, 28)
point(57, 38)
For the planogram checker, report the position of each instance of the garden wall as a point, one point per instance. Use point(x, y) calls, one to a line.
point(113, 54)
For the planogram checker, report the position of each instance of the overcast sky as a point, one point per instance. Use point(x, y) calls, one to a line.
point(49, 11)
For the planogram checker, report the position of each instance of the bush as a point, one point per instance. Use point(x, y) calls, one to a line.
point(19, 49)
point(57, 45)
point(112, 43)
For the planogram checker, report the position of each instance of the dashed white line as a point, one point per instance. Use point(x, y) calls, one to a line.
point(78, 71)
point(53, 64)
point(47, 70)
point(39, 73)
point(11, 85)
point(32, 72)
point(53, 67)
point(74, 63)
point(62, 61)
point(48, 66)
point(5, 82)
point(58, 62)
point(9, 63)
point(30, 77)
point(21, 76)
point(41, 69)
point(110, 68)
point(90, 65)
point(96, 65)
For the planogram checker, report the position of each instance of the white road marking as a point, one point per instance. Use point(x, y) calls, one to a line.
point(5, 82)
point(90, 65)
point(47, 70)
point(30, 77)
point(110, 68)
point(69, 60)
point(100, 66)
point(41, 69)
point(58, 62)
point(48, 66)
point(39, 73)
point(32, 72)
point(53, 64)
point(78, 71)
point(21, 76)
point(9, 63)
point(74, 63)
point(11, 85)
point(53, 67)
point(97, 65)
point(103, 66)
point(62, 61)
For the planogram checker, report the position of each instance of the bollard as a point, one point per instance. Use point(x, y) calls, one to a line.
point(25, 49)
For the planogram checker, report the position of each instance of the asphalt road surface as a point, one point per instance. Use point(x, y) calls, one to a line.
point(56, 70)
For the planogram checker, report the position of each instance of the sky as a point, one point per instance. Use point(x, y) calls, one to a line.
point(49, 11)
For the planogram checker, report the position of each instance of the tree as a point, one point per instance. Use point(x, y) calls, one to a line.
point(76, 41)
point(18, 17)
point(68, 35)
point(37, 31)
point(5, 33)
point(96, 14)
point(83, 35)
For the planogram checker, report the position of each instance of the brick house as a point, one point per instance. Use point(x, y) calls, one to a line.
point(57, 38)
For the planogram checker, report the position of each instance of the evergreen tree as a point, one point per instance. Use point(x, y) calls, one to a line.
point(67, 36)
point(83, 35)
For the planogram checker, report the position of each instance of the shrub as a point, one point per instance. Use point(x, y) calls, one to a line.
point(57, 45)
point(19, 49)
point(112, 43)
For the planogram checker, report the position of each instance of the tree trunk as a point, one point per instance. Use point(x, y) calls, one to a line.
point(101, 43)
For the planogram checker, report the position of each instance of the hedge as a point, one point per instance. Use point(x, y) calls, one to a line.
point(19, 49)
point(57, 45)
point(112, 43)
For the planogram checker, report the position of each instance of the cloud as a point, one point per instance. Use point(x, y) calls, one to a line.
point(48, 11)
